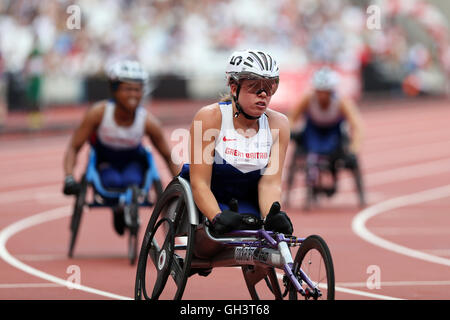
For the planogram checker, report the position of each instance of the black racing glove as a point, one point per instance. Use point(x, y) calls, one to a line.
point(71, 186)
point(278, 221)
point(227, 220)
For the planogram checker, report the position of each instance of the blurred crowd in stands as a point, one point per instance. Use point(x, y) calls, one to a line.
point(192, 38)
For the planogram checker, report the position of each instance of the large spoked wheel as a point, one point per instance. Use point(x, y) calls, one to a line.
point(160, 259)
point(80, 201)
point(313, 259)
point(171, 206)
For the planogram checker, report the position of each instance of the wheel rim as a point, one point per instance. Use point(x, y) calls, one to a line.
point(171, 206)
point(314, 259)
point(159, 258)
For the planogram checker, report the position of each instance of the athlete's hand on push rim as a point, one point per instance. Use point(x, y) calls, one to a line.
point(71, 186)
point(278, 221)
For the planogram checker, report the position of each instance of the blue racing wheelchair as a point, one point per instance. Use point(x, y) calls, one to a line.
point(130, 199)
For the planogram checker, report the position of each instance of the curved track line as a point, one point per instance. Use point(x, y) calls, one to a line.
point(360, 229)
point(23, 224)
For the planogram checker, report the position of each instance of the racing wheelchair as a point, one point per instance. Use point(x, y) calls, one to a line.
point(179, 243)
point(130, 199)
point(321, 171)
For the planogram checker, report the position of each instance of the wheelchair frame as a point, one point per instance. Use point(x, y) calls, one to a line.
point(130, 199)
point(257, 252)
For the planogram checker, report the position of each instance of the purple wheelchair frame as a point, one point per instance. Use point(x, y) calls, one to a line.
point(253, 247)
point(257, 252)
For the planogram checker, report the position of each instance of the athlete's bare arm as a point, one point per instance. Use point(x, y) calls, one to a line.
point(269, 187)
point(353, 117)
point(202, 158)
point(89, 125)
point(154, 130)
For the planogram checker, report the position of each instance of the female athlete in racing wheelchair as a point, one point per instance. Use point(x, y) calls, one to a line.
point(329, 140)
point(120, 170)
point(236, 189)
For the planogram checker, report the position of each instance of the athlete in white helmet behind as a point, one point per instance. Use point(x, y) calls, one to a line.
point(235, 169)
point(115, 129)
point(325, 113)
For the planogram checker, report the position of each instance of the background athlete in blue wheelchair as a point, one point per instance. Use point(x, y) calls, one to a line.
point(329, 140)
point(121, 170)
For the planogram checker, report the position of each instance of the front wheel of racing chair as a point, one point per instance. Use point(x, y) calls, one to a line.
point(168, 245)
point(314, 259)
point(312, 262)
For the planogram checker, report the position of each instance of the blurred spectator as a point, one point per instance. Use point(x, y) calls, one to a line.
point(187, 37)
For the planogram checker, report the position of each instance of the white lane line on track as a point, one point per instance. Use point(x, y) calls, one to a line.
point(360, 220)
point(395, 284)
point(28, 285)
point(41, 257)
point(34, 220)
point(30, 193)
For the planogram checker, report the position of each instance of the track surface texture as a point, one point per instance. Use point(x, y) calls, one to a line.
point(395, 248)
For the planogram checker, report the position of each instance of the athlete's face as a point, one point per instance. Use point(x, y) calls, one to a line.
point(255, 95)
point(324, 98)
point(129, 95)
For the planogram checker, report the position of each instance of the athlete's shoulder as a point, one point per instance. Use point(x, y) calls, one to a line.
point(209, 109)
point(277, 119)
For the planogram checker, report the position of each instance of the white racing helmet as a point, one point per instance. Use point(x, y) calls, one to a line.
point(126, 70)
point(251, 64)
point(325, 79)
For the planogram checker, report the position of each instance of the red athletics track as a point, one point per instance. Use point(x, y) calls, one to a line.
point(403, 234)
